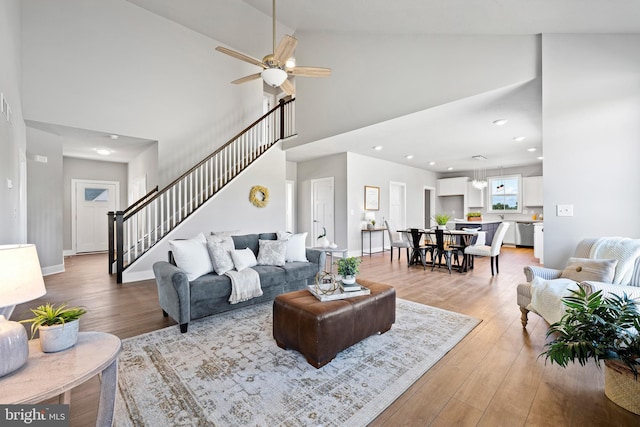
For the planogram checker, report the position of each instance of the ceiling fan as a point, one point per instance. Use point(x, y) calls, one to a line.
point(275, 66)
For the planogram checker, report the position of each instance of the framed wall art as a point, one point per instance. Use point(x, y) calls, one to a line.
point(371, 198)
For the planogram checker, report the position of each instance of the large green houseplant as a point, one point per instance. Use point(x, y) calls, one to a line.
point(58, 326)
point(597, 327)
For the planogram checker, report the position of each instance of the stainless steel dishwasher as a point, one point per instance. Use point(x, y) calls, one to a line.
point(524, 234)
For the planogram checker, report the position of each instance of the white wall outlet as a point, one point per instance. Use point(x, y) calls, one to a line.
point(564, 210)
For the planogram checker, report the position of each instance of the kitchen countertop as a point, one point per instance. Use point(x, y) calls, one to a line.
point(462, 221)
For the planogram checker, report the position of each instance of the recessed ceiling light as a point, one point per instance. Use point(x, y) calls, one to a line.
point(531, 149)
point(518, 138)
point(113, 136)
point(500, 122)
point(103, 151)
point(409, 156)
point(432, 163)
point(450, 168)
point(540, 158)
point(378, 147)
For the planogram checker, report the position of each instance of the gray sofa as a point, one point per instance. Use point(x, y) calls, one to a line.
point(209, 294)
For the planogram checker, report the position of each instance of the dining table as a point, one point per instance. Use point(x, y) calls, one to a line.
point(464, 238)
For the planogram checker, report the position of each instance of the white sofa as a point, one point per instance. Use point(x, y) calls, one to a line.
point(626, 277)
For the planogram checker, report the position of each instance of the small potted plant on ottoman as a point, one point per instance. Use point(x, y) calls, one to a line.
point(348, 269)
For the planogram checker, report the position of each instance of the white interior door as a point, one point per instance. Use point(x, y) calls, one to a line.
point(322, 208)
point(397, 205)
point(93, 199)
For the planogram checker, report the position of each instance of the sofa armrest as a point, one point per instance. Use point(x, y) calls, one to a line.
point(318, 257)
point(173, 291)
point(610, 288)
point(531, 271)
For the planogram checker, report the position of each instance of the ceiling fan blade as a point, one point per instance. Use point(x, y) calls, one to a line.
point(310, 71)
point(285, 48)
point(240, 56)
point(288, 88)
point(246, 78)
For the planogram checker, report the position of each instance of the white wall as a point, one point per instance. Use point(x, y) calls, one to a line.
point(377, 77)
point(13, 203)
point(351, 173)
point(145, 165)
point(114, 67)
point(230, 210)
point(45, 198)
point(365, 170)
point(591, 116)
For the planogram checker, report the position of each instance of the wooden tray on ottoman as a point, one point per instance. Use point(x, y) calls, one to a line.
point(320, 330)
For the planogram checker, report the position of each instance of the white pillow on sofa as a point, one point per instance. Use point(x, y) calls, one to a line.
point(192, 256)
point(296, 249)
point(243, 258)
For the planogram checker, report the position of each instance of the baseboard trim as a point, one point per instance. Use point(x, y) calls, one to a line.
point(137, 276)
point(54, 269)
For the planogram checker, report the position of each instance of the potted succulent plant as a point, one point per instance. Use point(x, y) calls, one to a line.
point(601, 328)
point(442, 219)
point(58, 326)
point(348, 269)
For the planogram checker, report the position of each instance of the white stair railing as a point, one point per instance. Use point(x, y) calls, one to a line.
point(133, 233)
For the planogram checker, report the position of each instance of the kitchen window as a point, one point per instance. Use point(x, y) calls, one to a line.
point(505, 194)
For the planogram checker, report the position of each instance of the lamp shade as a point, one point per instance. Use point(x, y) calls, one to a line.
point(274, 76)
point(20, 275)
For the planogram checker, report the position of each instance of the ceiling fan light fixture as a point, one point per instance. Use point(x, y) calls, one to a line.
point(291, 62)
point(274, 77)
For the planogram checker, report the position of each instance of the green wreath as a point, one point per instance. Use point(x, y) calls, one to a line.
point(255, 193)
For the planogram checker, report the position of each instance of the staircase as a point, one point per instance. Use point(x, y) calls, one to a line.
point(135, 230)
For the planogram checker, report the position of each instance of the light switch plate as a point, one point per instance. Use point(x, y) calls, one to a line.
point(564, 210)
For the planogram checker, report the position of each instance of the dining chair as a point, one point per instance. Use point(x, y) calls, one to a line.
point(492, 251)
point(397, 240)
point(443, 247)
point(419, 251)
point(479, 240)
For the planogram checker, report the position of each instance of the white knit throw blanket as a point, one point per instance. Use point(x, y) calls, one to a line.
point(245, 284)
point(546, 297)
point(624, 249)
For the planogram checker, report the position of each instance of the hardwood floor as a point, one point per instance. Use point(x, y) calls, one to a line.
point(492, 378)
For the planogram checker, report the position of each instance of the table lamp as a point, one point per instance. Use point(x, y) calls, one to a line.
point(20, 281)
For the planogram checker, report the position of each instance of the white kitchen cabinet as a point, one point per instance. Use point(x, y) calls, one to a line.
point(532, 191)
point(510, 235)
point(452, 186)
point(475, 197)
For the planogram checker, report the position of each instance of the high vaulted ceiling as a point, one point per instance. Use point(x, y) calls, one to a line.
point(462, 126)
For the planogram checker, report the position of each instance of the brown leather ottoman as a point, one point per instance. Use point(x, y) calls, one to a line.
point(320, 330)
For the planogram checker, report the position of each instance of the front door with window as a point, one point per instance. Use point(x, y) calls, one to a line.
point(92, 202)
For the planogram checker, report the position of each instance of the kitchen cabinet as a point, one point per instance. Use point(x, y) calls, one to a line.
point(532, 191)
point(475, 197)
point(452, 186)
point(510, 235)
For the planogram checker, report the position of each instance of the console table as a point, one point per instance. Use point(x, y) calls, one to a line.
point(370, 232)
point(46, 375)
point(330, 252)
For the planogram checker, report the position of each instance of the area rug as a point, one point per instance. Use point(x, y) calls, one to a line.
point(228, 371)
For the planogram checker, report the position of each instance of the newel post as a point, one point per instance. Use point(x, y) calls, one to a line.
point(110, 233)
point(119, 246)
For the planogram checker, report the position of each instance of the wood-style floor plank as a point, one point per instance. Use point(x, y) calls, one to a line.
point(492, 378)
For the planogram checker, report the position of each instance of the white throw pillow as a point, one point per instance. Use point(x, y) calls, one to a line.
point(296, 249)
point(243, 258)
point(272, 252)
point(192, 256)
point(220, 256)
